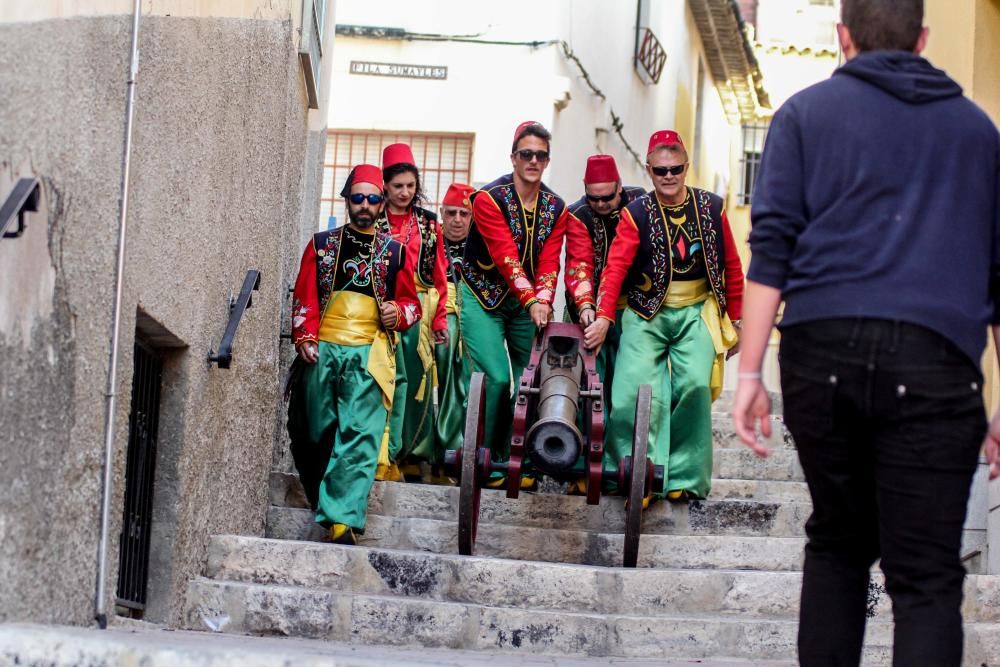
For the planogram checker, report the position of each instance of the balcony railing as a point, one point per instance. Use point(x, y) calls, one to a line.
point(650, 58)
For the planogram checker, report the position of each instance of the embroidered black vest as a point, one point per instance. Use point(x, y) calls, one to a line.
point(429, 238)
point(602, 233)
point(454, 251)
point(649, 277)
point(388, 259)
point(478, 269)
point(429, 230)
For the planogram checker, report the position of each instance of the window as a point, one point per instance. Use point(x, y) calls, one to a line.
point(753, 146)
point(442, 158)
point(311, 46)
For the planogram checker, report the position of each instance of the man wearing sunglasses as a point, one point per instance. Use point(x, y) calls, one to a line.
point(675, 258)
point(509, 274)
point(598, 214)
point(352, 294)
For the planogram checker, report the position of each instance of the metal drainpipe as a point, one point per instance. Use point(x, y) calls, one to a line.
point(100, 611)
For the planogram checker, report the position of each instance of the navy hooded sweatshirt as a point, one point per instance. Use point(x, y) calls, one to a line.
point(878, 196)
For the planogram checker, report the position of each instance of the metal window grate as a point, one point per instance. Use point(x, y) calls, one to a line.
point(650, 58)
point(442, 158)
point(753, 145)
point(133, 554)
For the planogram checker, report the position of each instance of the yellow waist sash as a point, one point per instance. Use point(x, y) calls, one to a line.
point(682, 293)
point(429, 299)
point(451, 306)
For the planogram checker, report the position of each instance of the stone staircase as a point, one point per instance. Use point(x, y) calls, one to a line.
point(717, 579)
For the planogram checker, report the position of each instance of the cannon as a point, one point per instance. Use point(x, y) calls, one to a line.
point(558, 431)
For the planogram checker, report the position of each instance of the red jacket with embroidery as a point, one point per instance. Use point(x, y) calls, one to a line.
point(314, 285)
point(579, 277)
point(420, 231)
point(504, 253)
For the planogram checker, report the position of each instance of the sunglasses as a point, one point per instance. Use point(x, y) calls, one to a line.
point(676, 170)
point(605, 198)
point(357, 198)
point(526, 155)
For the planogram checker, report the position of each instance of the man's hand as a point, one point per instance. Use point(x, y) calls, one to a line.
point(540, 314)
point(308, 352)
point(733, 350)
point(750, 405)
point(587, 316)
point(441, 337)
point(991, 446)
point(595, 333)
point(389, 316)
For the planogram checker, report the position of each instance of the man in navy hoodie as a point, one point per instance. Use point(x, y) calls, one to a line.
point(876, 217)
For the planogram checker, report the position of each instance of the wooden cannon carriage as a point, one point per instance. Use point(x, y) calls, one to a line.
point(559, 392)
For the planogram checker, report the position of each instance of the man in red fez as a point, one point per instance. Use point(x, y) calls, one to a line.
point(352, 294)
point(598, 214)
point(411, 431)
point(453, 373)
point(675, 260)
point(509, 274)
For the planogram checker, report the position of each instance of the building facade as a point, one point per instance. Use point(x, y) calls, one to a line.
point(229, 131)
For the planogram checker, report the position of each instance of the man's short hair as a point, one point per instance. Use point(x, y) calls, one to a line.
point(883, 25)
point(674, 149)
point(533, 130)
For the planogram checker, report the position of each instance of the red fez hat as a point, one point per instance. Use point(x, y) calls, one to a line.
point(396, 154)
point(458, 195)
point(601, 169)
point(366, 173)
point(663, 138)
point(520, 128)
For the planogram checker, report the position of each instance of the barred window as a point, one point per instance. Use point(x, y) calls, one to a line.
point(753, 146)
point(442, 158)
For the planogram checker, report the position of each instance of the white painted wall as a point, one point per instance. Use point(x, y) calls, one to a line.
point(492, 88)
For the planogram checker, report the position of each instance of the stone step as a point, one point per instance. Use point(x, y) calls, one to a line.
point(382, 619)
point(724, 434)
point(554, 545)
point(711, 516)
point(741, 463)
point(723, 405)
point(538, 585)
point(286, 490)
point(64, 646)
point(540, 510)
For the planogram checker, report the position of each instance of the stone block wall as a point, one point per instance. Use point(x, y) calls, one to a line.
point(219, 172)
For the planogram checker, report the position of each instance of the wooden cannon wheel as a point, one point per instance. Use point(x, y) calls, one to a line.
point(636, 469)
point(470, 485)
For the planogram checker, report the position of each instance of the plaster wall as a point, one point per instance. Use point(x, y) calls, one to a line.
point(220, 143)
point(492, 88)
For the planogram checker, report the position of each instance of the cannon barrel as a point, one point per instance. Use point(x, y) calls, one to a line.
point(554, 442)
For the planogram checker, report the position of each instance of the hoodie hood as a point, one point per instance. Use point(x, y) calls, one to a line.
point(903, 75)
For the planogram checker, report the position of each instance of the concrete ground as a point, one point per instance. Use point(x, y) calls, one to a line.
point(150, 646)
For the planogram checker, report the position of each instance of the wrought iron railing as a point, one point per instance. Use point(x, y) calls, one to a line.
point(22, 198)
point(237, 307)
point(650, 57)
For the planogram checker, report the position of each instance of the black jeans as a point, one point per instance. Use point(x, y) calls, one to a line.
point(888, 420)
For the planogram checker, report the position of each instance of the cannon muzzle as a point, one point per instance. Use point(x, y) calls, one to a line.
point(554, 443)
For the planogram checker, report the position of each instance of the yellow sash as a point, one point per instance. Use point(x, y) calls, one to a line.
point(683, 293)
point(429, 299)
point(451, 306)
point(353, 319)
